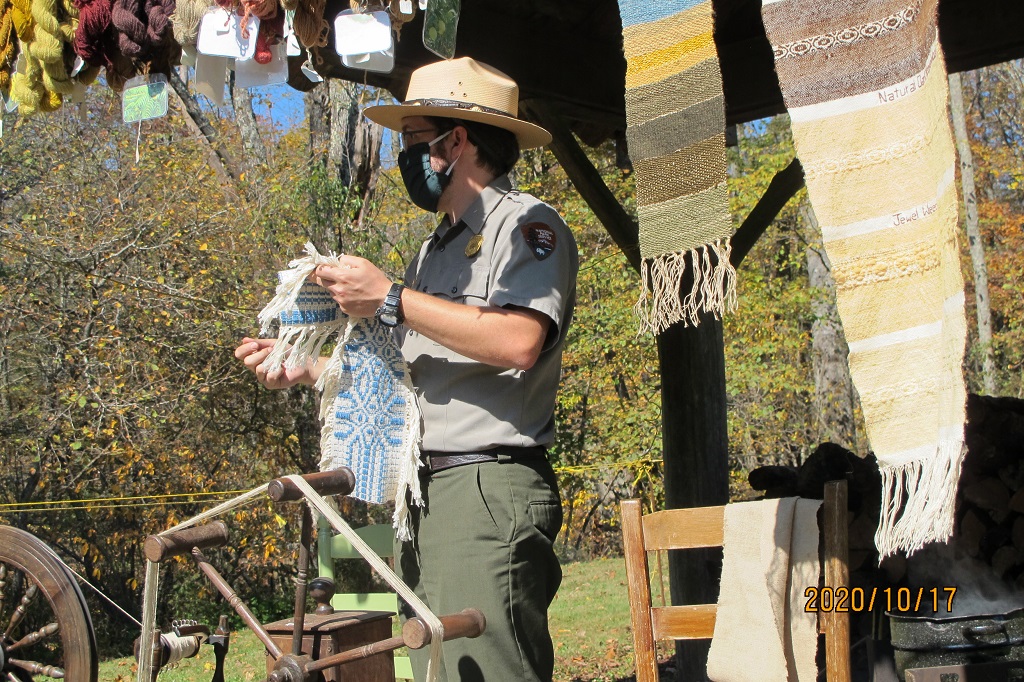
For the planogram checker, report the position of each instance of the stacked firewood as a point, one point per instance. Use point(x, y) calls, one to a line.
point(990, 509)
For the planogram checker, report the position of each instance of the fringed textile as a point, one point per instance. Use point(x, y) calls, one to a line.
point(675, 115)
point(370, 419)
point(865, 85)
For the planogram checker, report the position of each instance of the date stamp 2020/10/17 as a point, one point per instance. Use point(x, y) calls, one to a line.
point(892, 599)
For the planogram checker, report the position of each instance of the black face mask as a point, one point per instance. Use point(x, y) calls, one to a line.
point(424, 184)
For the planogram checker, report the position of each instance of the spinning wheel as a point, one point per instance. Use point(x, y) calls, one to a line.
point(45, 629)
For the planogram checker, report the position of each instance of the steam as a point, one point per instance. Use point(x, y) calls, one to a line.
point(979, 591)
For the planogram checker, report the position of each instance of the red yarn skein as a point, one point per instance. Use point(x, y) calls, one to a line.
point(271, 27)
point(93, 40)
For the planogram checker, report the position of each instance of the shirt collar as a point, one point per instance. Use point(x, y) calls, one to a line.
point(486, 202)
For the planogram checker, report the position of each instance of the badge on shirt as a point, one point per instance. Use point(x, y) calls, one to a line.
point(540, 238)
point(474, 244)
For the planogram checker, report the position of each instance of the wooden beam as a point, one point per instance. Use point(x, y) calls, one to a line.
point(786, 183)
point(588, 182)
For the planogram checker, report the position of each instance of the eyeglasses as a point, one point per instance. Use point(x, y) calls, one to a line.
point(411, 137)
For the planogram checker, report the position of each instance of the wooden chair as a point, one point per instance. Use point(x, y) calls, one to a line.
point(330, 548)
point(702, 527)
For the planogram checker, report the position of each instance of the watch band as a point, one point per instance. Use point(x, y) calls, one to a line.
point(390, 312)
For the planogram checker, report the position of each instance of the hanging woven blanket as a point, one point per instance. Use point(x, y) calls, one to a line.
point(675, 115)
point(370, 420)
point(866, 89)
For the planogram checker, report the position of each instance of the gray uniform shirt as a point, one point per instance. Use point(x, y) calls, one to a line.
point(513, 251)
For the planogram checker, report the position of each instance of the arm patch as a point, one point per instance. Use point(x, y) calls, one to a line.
point(540, 237)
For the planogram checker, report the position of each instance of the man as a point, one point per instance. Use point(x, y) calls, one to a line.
point(484, 312)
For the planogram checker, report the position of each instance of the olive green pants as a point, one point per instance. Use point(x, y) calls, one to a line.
point(485, 541)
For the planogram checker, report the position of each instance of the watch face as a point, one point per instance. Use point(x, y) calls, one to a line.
point(388, 319)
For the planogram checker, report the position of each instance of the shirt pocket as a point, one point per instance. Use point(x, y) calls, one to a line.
point(471, 286)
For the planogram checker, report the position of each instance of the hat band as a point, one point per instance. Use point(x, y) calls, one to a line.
point(456, 104)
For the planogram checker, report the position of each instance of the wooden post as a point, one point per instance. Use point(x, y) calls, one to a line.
point(837, 574)
point(695, 451)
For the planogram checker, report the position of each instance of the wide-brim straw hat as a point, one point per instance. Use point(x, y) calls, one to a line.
point(463, 89)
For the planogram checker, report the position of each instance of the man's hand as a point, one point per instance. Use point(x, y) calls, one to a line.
point(252, 353)
point(358, 286)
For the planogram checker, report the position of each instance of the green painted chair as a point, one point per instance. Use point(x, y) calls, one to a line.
point(330, 548)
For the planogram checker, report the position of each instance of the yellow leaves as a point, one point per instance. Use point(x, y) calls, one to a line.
point(203, 246)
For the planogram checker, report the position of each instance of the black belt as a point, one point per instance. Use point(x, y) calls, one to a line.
point(439, 461)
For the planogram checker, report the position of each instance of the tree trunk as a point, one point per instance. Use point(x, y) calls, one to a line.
point(222, 163)
point(988, 363)
point(345, 153)
point(833, 386)
point(245, 119)
point(355, 145)
point(695, 452)
point(340, 134)
point(318, 115)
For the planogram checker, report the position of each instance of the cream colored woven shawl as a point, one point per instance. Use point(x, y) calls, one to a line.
point(865, 85)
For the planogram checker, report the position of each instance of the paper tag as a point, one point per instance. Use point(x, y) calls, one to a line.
point(211, 74)
point(405, 6)
point(220, 35)
point(362, 33)
point(144, 97)
point(382, 62)
point(21, 66)
point(309, 71)
point(78, 66)
point(440, 25)
point(251, 74)
point(423, 4)
point(188, 55)
point(9, 103)
point(78, 92)
point(290, 39)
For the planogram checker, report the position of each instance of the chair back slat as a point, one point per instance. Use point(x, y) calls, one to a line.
point(684, 622)
point(684, 528)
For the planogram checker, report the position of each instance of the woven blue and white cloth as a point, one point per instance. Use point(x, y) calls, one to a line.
point(370, 420)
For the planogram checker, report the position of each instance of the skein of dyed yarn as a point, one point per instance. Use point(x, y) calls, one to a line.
point(271, 26)
point(54, 27)
point(185, 20)
point(7, 46)
point(126, 16)
point(158, 21)
point(88, 73)
point(94, 41)
point(309, 24)
point(27, 88)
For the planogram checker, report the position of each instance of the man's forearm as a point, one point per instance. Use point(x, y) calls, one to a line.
point(495, 336)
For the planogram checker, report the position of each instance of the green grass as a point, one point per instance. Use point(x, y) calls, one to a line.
point(589, 623)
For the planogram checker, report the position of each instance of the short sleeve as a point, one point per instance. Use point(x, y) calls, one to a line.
point(534, 266)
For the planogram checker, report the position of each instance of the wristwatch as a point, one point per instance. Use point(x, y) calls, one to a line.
point(389, 313)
